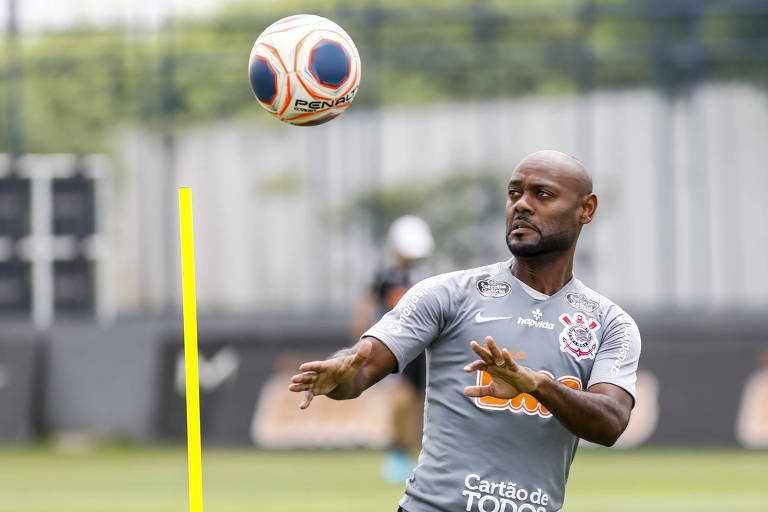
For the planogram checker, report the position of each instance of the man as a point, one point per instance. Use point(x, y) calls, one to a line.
point(558, 361)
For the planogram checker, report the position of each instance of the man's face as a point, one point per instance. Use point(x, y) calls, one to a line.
point(545, 209)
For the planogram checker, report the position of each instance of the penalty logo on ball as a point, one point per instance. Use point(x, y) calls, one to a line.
point(304, 70)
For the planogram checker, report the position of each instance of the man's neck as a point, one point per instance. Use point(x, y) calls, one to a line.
point(546, 274)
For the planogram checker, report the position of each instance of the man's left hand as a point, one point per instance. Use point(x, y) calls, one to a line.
point(508, 379)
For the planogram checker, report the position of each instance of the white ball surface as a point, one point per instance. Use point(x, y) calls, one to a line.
point(304, 70)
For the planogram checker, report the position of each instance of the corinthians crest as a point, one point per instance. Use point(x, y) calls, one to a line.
point(578, 337)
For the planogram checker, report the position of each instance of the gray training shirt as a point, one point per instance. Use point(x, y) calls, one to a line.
point(488, 454)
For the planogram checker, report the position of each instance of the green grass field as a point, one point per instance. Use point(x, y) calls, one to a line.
point(152, 479)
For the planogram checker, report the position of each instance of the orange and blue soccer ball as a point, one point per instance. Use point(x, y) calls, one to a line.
point(304, 70)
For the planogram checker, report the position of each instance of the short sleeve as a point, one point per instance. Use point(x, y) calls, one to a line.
point(415, 321)
point(618, 355)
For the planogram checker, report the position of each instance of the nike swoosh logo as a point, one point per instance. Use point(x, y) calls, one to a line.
point(479, 318)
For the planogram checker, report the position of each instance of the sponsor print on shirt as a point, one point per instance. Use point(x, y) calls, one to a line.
point(578, 337)
point(493, 289)
point(581, 301)
point(523, 403)
point(404, 318)
point(486, 495)
point(536, 321)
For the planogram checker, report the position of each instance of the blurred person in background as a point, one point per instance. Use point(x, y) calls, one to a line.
point(409, 244)
point(501, 431)
point(752, 419)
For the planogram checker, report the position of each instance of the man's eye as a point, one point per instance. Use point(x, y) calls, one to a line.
point(544, 193)
point(513, 192)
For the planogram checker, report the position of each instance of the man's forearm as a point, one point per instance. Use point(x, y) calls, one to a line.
point(354, 387)
point(350, 388)
point(379, 365)
point(596, 417)
point(347, 390)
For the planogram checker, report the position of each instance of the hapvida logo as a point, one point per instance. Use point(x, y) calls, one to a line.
point(536, 321)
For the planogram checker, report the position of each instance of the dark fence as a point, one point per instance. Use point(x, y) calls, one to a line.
point(694, 372)
point(128, 382)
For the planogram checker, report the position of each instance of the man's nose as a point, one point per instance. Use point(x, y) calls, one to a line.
point(523, 204)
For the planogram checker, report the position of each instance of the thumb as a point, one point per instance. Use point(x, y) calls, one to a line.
point(363, 353)
point(477, 391)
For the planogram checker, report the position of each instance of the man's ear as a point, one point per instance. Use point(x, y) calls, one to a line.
point(588, 208)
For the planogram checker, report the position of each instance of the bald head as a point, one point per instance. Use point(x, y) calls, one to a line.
point(549, 199)
point(561, 167)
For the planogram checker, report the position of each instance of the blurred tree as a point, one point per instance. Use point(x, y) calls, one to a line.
point(78, 84)
point(464, 211)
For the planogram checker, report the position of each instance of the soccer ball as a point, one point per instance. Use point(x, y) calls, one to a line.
point(304, 70)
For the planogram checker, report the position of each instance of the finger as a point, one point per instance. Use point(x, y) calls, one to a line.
point(314, 366)
point(477, 391)
point(493, 349)
point(307, 400)
point(480, 351)
point(362, 354)
point(476, 365)
point(300, 387)
point(511, 364)
point(305, 377)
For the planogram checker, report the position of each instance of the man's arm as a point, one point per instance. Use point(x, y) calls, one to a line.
point(599, 414)
point(345, 374)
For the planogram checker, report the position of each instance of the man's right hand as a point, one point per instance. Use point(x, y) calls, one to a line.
point(323, 377)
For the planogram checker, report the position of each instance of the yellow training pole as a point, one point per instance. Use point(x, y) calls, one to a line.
point(190, 351)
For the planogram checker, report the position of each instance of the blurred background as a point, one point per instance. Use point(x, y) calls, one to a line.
point(107, 107)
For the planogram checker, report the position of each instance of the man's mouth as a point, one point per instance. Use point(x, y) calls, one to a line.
point(521, 226)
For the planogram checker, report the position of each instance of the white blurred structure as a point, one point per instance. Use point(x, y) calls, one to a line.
point(36, 15)
point(681, 221)
point(410, 237)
